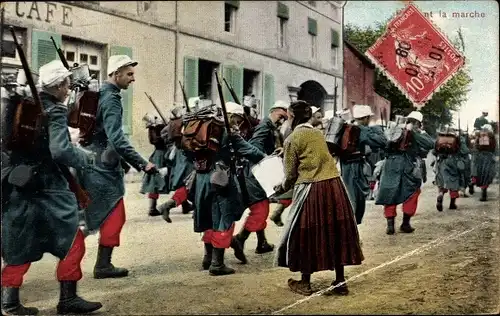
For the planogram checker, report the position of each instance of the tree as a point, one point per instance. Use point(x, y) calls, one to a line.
point(439, 109)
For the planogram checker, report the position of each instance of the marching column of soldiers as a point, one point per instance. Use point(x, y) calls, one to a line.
point(206, 156)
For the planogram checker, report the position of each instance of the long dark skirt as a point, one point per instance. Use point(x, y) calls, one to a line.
point(326, 232)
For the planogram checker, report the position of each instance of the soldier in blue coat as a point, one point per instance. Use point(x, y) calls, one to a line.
point(449, 174)
point(263, 139)
point(218, 205)
point(155, 184)
point(105, 182)
point(41, 215)
point(484, 170)
point(352, 167)
point(401, 176)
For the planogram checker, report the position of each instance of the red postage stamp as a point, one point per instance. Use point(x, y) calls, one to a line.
point(415, 55)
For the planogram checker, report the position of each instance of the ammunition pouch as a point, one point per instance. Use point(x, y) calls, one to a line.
point(24, 178)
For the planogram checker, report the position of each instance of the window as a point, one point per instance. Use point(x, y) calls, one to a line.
point(282, 33)
point(313, 46)
point(78, 51)
point(312, 3)
point(206, 79)
point(334, 56)
point(250, 91)
point(229, 17)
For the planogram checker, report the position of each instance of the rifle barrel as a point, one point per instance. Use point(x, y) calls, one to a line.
point(157, 109)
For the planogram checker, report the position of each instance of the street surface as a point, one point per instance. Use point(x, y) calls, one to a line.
point(449, 265)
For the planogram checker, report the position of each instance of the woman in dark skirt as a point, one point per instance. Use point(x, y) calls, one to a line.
point(320, 233)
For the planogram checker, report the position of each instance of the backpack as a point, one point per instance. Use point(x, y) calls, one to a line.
point(82, 114)
point(399, 138)
point(341, 138)
point(447, 144)
point(484, 141)
point(350, 139)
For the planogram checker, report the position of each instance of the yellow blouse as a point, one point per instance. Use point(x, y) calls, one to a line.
point(306, 157)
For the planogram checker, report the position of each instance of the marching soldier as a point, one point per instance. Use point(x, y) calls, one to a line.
point(449, 173)
point(216, 193)
point(483, 171)
point(41, 213)
point(352, 167)
point(155, 184)
point(105, 183)
point(264, 140)
point(481, 121)
point(401, 176)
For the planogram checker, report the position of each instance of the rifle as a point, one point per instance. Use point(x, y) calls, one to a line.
point(232, 164)
point(185, 97)
point(81, 195)
point(157, 109)
point(231, 90)
point(60, 53)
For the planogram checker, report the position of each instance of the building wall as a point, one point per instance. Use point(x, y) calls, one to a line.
point(359, 80)
point(149, 31)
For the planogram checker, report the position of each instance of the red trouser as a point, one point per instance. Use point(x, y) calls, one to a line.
point(180, 196)
point(409, 206)
point(285, 203)
point(68, 269)
point(372, 185)
point(257, 219)
point(474, 181)
point(112, 226)
point(453, 194)
point(153, 196)
point(218, 239)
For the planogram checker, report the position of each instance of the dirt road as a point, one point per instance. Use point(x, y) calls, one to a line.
point(449, 265)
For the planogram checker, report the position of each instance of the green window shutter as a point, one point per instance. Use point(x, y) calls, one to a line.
point(283, 11)
point(234, 4)
point(191, 77)
point(335, 38)
point(227, 73)
point(127, 95)
point(312, 26)
point(42, 49)
point(268, 94)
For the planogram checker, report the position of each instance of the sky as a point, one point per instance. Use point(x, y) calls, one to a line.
point(480, 36)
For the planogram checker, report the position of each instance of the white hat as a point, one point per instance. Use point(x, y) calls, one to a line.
point(118, 61)
point(280, 105)
point(484, 111)
point(314, 109)
point(52, 72)
point(416, 115)
point(487, 127)
point(234, 108)
point(359, 111)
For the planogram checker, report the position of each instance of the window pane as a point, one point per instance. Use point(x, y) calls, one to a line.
point(93, 60)
point(227, 17)
point(312, 3)
point(70, 56)
point(9, 49)
point(84, 58)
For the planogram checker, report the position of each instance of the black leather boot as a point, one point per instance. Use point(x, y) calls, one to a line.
point(390, 226)
point(186, 207)
point(217, 266)
point(405, 226)
point(484, 195)
point(165, 210)
point(71, 303)
point(207, 258)
point(439, 202)
point(152, 208)
point(238, 244)
point(262, 245)
point(104, 268)
point(453, 205)
point(471, 189)
point(276, 216)
point(11, 305)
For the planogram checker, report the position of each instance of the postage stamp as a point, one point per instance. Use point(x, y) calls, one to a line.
point(415, 55)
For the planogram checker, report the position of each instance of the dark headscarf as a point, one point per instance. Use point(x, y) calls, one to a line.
point(302, 112)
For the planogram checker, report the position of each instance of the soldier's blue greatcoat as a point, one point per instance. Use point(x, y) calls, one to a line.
point(263, 136)
point(155, 183)
point(218, 209)
point(106, 181)
point(400, 178)
point(450, 169)
point(182, 166)
point(484, 167)
point(45, 221)
point(352, 172)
